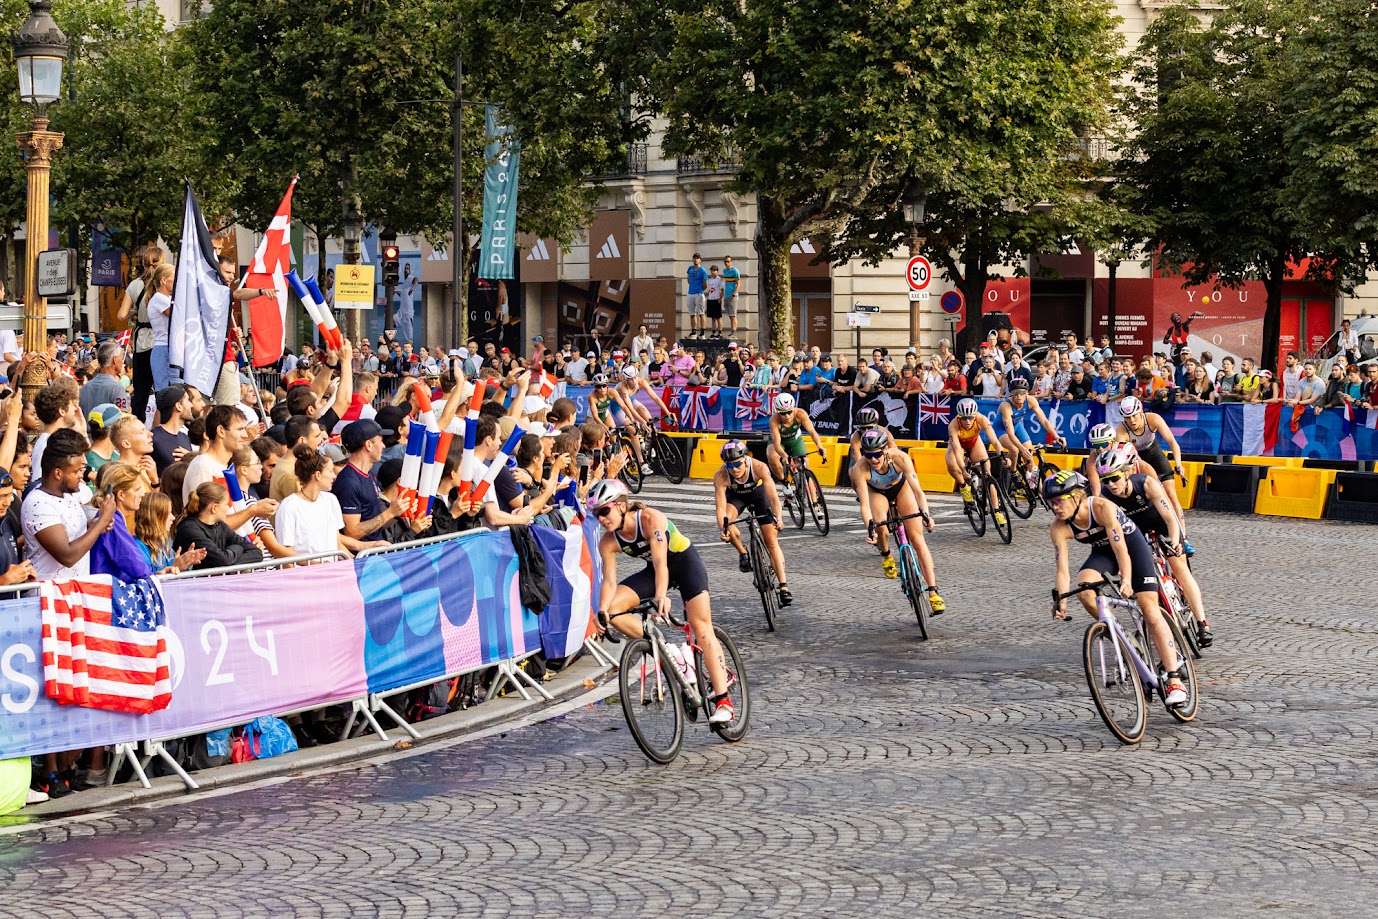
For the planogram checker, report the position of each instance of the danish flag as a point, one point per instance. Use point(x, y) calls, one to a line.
point(268, 314)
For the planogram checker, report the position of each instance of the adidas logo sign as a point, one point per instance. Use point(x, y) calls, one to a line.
point(803, 247)
point(609, 249)
point(539, 252)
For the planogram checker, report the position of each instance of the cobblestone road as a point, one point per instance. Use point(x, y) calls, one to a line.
point(968, 775)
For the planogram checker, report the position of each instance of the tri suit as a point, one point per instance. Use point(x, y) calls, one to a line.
point(686, 570)
point(1144, 576)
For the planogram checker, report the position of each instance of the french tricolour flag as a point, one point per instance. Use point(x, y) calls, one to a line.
point(1261, 428)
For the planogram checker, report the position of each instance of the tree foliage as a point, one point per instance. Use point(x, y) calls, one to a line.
point(831, 116)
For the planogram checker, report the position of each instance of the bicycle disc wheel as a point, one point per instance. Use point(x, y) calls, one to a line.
point(796, 508)
point(737, 689)
point(1186, 670)
point(976, 510)
point(1022, 501)
point(763, 575)
point(912, 582)
point(818, 505)
point(1005, 532)
point(668, 458)
point(1114, 682)
point(651, 702)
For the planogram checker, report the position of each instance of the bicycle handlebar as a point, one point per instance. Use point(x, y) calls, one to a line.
point(871, 527)
point(1111, 580)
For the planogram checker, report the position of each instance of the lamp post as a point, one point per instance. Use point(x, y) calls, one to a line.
point(40, 50)
point(915, 206)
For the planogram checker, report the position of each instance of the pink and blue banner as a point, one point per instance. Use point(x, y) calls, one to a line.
point(280, 640)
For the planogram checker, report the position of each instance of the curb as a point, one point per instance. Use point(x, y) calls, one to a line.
point(458, 727)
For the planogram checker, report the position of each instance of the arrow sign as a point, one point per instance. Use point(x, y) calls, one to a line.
point(953, 302)
point(919, 272)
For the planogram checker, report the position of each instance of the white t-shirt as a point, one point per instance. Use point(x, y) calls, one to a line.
point(42, 510)
point(309, 527)
point(9, 344)
point(203, 468)
point(575, 370)
point(1291, 383)
point(715, 288)
point(990, 385)
point(160, 317)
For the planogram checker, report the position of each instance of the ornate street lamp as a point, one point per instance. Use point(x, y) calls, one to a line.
point(915, 206)
point(40, 51)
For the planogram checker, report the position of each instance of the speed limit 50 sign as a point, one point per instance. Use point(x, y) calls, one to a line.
point(919, 273)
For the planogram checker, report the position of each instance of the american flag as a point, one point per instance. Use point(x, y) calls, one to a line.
point(104, 644)
point(753, 402)
point(697, 403)
point(935, 409)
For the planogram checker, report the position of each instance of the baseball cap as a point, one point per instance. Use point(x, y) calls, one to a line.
point(533, 404)
point(732, 346)
point(461, 353)
point(590, 354)
point(696, 255)
point(390, 418)
point(1266, 373)
point(335, 453)
point(618, 353)
point(105, 414)
point(389, 473)
point(541, 430)
point(358, 433)
point(506, 350)
point(538, 338)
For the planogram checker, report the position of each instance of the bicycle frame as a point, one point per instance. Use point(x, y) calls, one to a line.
point(1105, 607)
point(661, 649)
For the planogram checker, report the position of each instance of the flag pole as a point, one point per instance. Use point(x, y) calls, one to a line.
point(253, 378)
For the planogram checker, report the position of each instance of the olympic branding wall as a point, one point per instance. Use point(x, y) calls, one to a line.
point(277, 640)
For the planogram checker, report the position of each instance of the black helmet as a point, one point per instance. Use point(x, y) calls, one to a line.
point(732, 451)
point(1063, 482)
point(867, 418)
point(1019, 384)
point(874, 439)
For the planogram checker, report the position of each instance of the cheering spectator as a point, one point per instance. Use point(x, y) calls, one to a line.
point(170, 440)
point(226, 432)
point(14, 568)
point(58, 407)
point(955, 381)
point(310, 522)
point(56, 531)
point(105, 386)
point(153, 524)
point(356, 490)
point(204, 525)
point(1199, 388)
point(988, 383)
point(1015, 368)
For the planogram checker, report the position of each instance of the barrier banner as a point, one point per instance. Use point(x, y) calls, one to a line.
point(1232, 429)
point(277, 640)
point(444, 608)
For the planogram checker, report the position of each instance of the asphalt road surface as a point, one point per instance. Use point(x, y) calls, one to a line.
point(881, 776)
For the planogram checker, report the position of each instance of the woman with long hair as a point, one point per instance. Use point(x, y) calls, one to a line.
point(203, 526)
point(135, 302)
point(152, 529)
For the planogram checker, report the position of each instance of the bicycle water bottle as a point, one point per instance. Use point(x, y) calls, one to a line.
point(686, 654)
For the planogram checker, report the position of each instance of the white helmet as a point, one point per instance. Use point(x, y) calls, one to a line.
point(966, 408)
point(605, 492)
point(784, 403)
point(1117, 458)
point(1101, 435)
point(1131, 405)
point(630, 373)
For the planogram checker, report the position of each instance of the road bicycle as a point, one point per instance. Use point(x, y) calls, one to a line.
point(1123, 670)
point(660, 452)
point(763, 576)
point(632, 473)
point(988, 495)
point(660, 685)
point(911, 575)
point(1025, 495)
point(802, 492)
point(1173, 598)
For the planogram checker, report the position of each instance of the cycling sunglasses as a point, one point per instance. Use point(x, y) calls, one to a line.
point(734, 464)
point(1113, 476)
point(876, 455)
point(604, 511)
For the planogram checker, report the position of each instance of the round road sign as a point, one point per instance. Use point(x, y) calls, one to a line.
point(919, 272)
point(953, 301)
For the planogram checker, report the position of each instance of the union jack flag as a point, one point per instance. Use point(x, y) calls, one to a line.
point(696, 405)
point(753, 402)
point(669, 422)
point(935, 409)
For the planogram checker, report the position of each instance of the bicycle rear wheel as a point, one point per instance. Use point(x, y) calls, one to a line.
point(651, 702)
point(1022, 500)
point(912, 582)
point(791, 500)
point(763, 576)
point(818, 505)
point(1005, 532)
point(1171, 593)
point(668, 458)
point(976, 510)
point(1185, 669)
point(632, 475)
point(737, 689)
point(1114, 682)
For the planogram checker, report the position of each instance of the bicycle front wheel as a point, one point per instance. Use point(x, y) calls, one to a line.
point(763, 574)
point(976, 508)
point(1022, 500)
point(669, 459)
point(818, 506)
point(651, 702)
point(1114, 683)
point(632, 474)
point(737, 689)
point(794, 502)
point(912, 582)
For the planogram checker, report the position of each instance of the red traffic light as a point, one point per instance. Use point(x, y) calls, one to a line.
point(391, 253)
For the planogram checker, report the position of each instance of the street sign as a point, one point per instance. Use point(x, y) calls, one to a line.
point(859, 320)
point(919, 272)
point(354, 287)
point(953, 302)
point(865, 308)
point(917, 295)
point(953, 318)
point(57, 272)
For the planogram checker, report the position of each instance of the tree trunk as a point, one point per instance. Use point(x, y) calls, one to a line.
point(1272, 314)
point(1110, 304)
point(772, 251)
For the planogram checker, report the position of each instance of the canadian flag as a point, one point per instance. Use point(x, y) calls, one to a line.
point(268, 314)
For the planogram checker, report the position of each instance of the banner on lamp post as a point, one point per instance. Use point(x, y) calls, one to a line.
point(497, 251)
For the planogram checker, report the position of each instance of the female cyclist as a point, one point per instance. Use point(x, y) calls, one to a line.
point(965, 440)
point(744, 484)
point(891, 481)
point(1144, 429)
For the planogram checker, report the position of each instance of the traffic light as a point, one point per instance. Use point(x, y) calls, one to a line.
point(391, 266)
